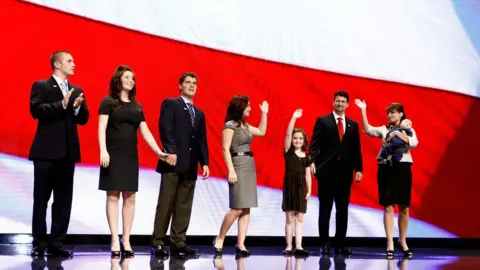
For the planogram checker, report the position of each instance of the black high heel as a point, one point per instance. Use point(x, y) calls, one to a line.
point(126, 253)
point(241, 253)
point(218, 251)
point(390, 253)
point(406, 253)
point(115, 254)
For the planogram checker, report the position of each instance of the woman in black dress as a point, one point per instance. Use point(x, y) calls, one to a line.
point(394, 180)
point(120, 116)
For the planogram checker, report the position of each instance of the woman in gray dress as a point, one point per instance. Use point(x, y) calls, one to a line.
point(237, 137)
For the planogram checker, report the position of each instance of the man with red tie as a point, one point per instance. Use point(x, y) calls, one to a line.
point(336, 160)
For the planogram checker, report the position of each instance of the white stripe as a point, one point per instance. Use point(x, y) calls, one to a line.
point(420, 42)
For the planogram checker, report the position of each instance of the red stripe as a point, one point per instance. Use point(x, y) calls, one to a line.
point(445, 179)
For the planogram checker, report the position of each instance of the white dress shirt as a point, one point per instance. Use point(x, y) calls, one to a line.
point(188, 102)
point(343, 119)
point(64, 87)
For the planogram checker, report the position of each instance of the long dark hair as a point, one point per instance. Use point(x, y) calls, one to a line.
point(116, 86)
point(235, 109)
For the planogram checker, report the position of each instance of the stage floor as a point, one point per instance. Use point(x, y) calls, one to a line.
point(98, 257)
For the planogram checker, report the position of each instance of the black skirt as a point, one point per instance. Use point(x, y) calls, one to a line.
point(395, 184)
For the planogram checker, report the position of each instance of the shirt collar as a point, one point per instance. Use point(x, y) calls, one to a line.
point(335, 115)
point(58, 80)
point(186, 100)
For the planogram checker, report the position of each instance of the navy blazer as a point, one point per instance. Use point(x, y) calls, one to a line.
point(179, 137)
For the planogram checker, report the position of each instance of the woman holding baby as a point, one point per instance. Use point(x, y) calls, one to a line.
point(395, 179)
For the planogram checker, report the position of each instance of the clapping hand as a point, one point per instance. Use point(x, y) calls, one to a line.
point(78, 101)
point(66, 98)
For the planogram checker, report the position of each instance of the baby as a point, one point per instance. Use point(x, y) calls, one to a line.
point(395, 147)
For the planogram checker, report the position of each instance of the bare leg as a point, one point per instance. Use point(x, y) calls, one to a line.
point(388, 222)
point(298, 230)
point(243, 222)
point(113, 198)
point(128, 211)
point(228, 221)
point(289, 222)
point(403, 225)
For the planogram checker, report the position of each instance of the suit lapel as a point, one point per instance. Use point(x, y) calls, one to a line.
point(197, 119)
point(348, 128)
point(333, 124)
point(185, 110)
point(55, 87)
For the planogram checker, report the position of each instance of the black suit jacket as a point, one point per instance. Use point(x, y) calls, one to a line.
point(178, 137)
point(56, 136)
point(327, 151)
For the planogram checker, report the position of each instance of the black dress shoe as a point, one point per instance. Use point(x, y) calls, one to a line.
point(59, 252)
point(183, 251)
point(157, 263)
point(325, 250)
point(287, 252)
point(37, 252)
point(159, 251)
point(343, 251)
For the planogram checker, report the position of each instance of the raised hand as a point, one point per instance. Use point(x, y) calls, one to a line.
point(298, 113)
point(361, 104)
point(264, 107)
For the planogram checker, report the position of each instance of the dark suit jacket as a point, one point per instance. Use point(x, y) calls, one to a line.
point(56, 136)
point(326, 148)
point(178, 137)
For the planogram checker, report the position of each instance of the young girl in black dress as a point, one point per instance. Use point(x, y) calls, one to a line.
point(297, 184)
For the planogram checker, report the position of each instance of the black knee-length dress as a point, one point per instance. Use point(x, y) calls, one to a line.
point(121, 139)
point(294, 182)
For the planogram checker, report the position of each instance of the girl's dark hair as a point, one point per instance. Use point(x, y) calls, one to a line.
point(305, 140)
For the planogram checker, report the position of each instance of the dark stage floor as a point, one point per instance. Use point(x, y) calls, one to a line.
point(98, 257)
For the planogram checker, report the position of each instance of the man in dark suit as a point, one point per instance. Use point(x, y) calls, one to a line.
point(54, 152)
point(336, 155)
point(183, 135)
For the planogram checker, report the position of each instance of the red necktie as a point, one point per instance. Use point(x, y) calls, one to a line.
point(340, 127)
